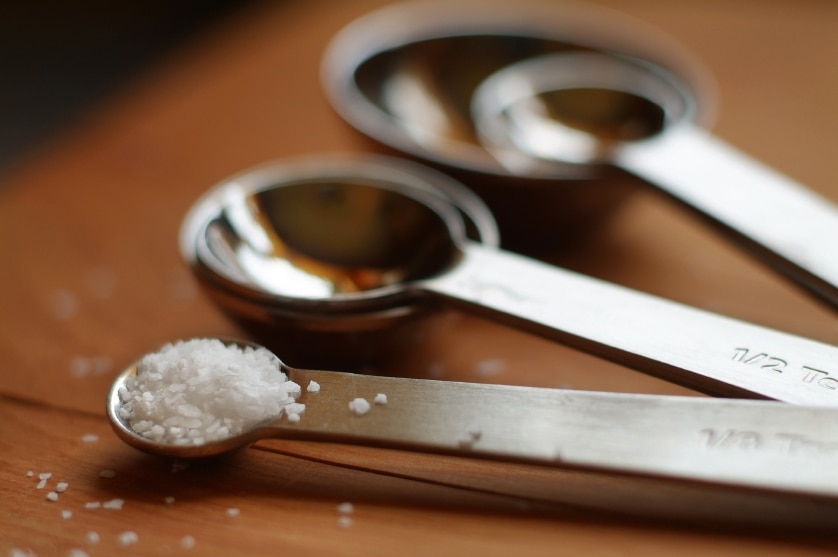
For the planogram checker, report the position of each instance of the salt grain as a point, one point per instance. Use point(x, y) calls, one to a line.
point(61, 487)
point(380, 399)
point(359, 406)
point(346, 508)
point(52, 496)
point(89, 438)
point(107, 474)
point(489, 367)
point(77, 553)
point(92, 505)
point(92, 537)
point(114, 504)
point(63, 304)
point(294, 418)
point(169, 500)
point(44, 476)
point(66, 515)
point(30, 474)
point(200, 391)
point(187, 542)
point(128, 538)
point(344, 521)
point(232, 512)
point(41, 484)
point(313, 387)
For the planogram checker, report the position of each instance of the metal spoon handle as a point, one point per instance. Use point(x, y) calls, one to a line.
point(705, 351)
point(756, 444)
point(790, 227)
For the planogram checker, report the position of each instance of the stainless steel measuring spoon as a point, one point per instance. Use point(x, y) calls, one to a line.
point(588, 108)
point(315, 248)
point(754, 444)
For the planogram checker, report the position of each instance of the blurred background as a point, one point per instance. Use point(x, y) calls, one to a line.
point(58, 57)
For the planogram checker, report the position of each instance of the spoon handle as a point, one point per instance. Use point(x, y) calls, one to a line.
point(788, 226)
point(702, 350)
point(757, 444)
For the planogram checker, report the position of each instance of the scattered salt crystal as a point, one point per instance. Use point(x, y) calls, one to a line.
point(92, 505)
point(80, 366)
point(346, 508)
point(107, 473)
point(359, 406)
point(52, 496)
point(169, 500)
point(41, 484)
point(128, 538)
point(77, 553)
point(380, 399)
point(63, 304)
point(89, 438)
point(44, 476)
point(344, 521)
point(313, 387)
point(66, 515)
point(30, 473)
point(187, 542)
point(489, 367)
point(115, 504)
point(294, 418)
point(61, 487)
point(199, 391)
point(92, 537)
point(16, 552)
point(232, 512)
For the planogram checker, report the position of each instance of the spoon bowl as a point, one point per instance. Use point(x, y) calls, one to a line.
point(232, 230)
point(404, 75)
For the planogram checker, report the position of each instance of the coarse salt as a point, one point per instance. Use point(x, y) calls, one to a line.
point(114, 504)
point(30, 474)
point(489, 367)
point(66, 515)
point(52, 496)
point(108, 474)
point(44, 476)
point(77, 553)
point(359, 406)
point(169, 500)
point(128, 538)
point(92, 505)
point(61, 487)
point(313, 386)
point(187, 542)
point(232, 512)
point(346, 508)
point(344, 521)
point(89, 438)
point(380, 399)
point(199, 391)
point(92, 537)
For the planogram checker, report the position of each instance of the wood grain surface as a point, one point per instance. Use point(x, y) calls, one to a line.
point(92, 279)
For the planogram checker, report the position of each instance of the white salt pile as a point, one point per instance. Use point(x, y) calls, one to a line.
point(202, 390)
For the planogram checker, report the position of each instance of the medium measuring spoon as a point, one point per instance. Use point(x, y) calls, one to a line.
point(587, 108)
point(755, 444)
point(320, 249)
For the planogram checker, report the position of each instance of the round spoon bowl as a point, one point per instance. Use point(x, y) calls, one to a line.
point(235, 233)
point(404, 75)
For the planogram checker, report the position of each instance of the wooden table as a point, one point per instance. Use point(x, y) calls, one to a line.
point(92, 278)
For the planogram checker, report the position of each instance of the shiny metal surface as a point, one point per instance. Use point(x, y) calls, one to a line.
point(753, 444)
point(593, 109)
point(338, 248)
point(404, 75)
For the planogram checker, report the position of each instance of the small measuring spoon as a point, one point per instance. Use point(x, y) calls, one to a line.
point(588, 108)
point(755, 444)
point(343, 247)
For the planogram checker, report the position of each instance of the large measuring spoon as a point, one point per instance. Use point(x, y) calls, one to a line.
point(319, 248)
point(755, 444)
point(587, 108)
